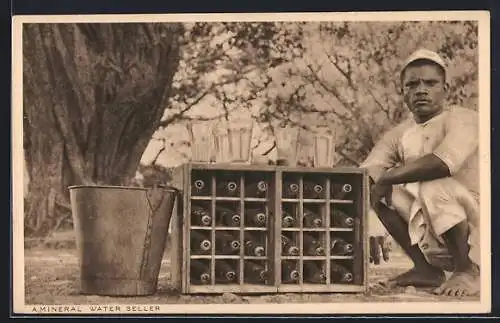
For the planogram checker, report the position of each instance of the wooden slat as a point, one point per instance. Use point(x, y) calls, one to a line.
point(358, 262)
point(176, 240)
point(365, 201)
point(328, 225)
point(242, 228)
point(342, 201)
point(212, 261)
point(186, 183)
point(301, 226)
point(233, 288)
point(201, 198)
point(276, 257)
point(320, 288)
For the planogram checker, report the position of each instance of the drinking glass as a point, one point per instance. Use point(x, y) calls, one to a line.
point(324, 150)
point(287, 139)
point(232, 141)
point(202, 141)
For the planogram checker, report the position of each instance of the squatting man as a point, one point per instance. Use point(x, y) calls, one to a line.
point(424, 182)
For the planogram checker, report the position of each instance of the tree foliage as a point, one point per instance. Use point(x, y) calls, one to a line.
point(338, 77)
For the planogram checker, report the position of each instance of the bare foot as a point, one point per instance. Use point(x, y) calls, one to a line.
point(428, 277)
point(466, 283)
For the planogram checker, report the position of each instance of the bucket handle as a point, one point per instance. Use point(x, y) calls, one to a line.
point(151, 193)
point(147, 238)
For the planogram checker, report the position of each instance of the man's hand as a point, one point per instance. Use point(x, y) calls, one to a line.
point(378, 244)
point(378, 192)
point(378, 239)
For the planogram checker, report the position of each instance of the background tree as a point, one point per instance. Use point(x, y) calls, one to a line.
point(93, 96)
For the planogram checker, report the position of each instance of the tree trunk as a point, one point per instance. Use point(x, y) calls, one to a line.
point(93, 96)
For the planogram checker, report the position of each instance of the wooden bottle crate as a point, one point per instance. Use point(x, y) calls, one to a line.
point(335, 201)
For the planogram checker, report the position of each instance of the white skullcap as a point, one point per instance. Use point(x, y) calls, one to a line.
point(424, 54)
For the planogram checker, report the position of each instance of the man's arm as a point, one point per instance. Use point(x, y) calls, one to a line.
point(426, 168)
point(459, 143)
point(383, 156)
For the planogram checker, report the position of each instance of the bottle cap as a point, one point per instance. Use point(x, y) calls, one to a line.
point(260, 217)
point(231, 186)
point(262, 186)
point(293, 188)
point(348, 277)
point(235, 244)
point(287, 221)
point(199, 184)
point(320, 251)
point(230, 275)
point(206, 220)
point(236, 218)
point(205, 245)
point(294, 251)
point(259, 251)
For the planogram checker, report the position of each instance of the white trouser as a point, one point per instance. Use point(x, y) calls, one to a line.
point(433, 207)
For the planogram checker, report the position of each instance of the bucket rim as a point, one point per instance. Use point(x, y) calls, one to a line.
point(167, 188)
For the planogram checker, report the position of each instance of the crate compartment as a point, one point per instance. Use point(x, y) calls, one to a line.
point(290, 272)
point(227, 271)
point(291, 186)
point(255, 243)
point(256, 272)
point(290, 215)
point(290, 244)
point(227, 242)
point(201, 242)
point(343, 216)
point(257, 185)
point(314, 215)
point(314, 272)
point(227, 185)
point(227, 214)
point(201, 213)
point(256, 214)
point(341, 272)
point(200, 272)
point(345, 186)
point(201, 183)
point(313, 244)
point(314, 186)
point(341, 244)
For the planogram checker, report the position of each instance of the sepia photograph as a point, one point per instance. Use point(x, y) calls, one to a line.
point(323, 163)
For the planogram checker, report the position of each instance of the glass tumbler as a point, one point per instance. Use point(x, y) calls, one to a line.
point(324, 150)
point(287, 139)
point(232, 141)
point(202, 141)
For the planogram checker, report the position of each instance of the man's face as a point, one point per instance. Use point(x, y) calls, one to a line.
point(424, 90)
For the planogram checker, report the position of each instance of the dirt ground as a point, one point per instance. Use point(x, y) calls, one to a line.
point(52, 277)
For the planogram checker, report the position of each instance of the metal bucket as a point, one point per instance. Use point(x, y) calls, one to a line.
point(120, 235)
